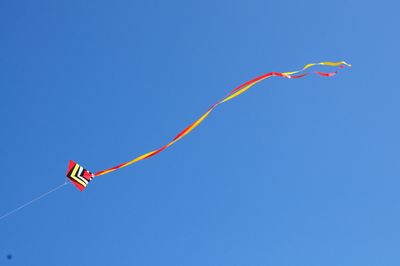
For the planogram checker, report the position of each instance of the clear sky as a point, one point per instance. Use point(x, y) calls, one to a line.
point(294, 172)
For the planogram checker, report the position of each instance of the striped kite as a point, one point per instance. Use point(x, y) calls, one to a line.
point(81, 177)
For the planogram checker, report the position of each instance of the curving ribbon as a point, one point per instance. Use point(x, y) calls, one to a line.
point(233, 94)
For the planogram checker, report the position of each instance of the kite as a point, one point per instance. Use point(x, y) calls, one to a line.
point(81, 177)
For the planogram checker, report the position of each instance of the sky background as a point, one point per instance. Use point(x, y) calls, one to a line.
point(294, 172)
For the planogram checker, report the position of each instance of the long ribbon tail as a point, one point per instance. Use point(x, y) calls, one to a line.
point(234, 93)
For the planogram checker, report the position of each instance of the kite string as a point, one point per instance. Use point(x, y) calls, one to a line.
point(33, 200)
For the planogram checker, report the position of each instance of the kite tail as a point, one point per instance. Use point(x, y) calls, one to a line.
point(80, 177)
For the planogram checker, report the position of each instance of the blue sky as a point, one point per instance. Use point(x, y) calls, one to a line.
point(294, 172)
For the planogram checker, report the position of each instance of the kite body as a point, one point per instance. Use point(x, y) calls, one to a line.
point(78, 175)
point(81, 177)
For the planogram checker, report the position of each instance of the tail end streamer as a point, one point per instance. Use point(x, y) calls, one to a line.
point(81, 177)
